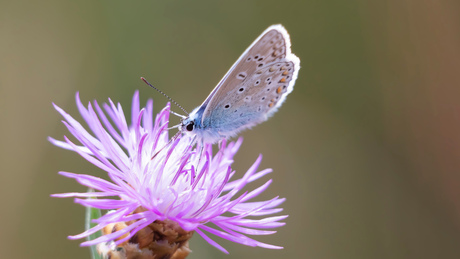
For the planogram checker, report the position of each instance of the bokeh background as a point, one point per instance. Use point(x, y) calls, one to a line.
point(366, 149)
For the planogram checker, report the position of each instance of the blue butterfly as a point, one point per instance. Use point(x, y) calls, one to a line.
point(251, 91)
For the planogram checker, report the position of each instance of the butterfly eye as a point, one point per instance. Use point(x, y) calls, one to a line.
point(190, 126)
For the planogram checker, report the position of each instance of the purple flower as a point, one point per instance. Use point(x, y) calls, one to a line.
point(176, 185)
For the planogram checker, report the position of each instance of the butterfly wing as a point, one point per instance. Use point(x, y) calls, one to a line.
point(256, 85)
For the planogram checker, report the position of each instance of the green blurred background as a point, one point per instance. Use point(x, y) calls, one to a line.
point(366, 149)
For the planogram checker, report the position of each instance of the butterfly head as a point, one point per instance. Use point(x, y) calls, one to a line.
point(187, 125)
point(191, 123)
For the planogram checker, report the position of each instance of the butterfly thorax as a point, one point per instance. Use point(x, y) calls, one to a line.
point(193, 125)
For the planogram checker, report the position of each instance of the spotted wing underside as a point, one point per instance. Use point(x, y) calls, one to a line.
point(255, 86)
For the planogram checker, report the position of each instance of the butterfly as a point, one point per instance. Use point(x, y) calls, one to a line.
point(251, 91)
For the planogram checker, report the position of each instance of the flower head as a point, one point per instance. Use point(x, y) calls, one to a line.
point(180, 184)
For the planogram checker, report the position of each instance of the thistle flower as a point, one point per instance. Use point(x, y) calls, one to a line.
point(181, 188)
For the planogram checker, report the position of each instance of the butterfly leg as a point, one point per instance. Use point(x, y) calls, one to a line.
point(222, 142)
point(219, 144)
point(201, 148)
point(167, 144)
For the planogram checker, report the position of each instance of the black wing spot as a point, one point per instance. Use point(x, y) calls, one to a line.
point(227, 106)
point(261, 64)
point(241, 75)
point(241, 89)
point(257, 82)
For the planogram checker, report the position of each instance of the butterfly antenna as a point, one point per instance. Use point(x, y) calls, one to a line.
point(158, 90)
